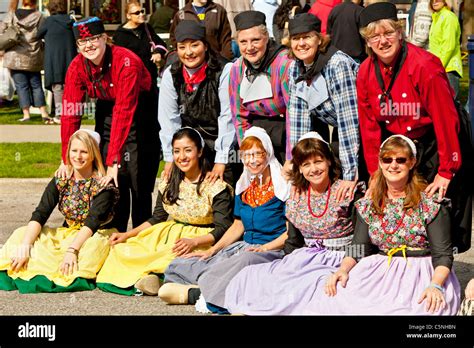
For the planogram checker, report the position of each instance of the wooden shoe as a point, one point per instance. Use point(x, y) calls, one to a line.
point(174, 293)
point(149, 284)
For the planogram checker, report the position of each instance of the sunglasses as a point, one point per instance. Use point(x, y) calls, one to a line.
point(399, 160)
point(136, 13)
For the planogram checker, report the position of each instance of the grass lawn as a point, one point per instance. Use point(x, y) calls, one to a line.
point(32, 160)
point(10, 113)
point(29, 160)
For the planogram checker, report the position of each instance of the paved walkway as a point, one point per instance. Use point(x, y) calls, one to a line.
point(12, 133)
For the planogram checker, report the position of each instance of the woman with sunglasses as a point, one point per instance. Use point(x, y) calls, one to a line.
point(140, 37)
point(403, 243)
point(320, 228)
point(259, 217)
point(117, 79)
point(403, 89)
point(323, 92)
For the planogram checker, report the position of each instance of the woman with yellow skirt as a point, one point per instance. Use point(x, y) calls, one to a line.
point(37, 258)
point(200, 210)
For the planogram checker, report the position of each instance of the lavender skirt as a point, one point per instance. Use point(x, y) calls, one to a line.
point(374, 288)
point(284, 286)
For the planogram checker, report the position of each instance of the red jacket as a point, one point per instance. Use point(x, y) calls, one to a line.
point(321, 9)
point(126, 78)
point(423, 97)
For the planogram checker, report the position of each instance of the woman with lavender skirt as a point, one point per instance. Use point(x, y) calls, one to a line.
point(287, 285)
point(406, 242)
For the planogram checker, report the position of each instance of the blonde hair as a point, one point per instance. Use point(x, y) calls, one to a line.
point(415, 184)
point(447, 3)
point(92, 148)
point(369, 30)
point(129, 4)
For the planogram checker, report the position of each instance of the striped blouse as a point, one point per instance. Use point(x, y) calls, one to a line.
point(271, 107)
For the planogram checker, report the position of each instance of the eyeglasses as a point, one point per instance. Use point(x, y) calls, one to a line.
point(399, 160)
point(388, 35)
point(256, 154)
point(136, 13)
point(92, 40)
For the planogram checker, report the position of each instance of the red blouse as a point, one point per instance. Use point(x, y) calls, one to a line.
point(126, 78)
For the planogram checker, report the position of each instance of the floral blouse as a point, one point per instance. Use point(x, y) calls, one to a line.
point(76, 196)
point(335, 223)
point(398, 227)
point(192, 208)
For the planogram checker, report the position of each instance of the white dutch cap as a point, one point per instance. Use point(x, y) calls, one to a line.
point(408, 140)
point(92, 133)
point(280, 185)
point(313, 135)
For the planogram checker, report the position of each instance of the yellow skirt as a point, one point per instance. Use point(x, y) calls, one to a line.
point(48, 252)
point(148, 252)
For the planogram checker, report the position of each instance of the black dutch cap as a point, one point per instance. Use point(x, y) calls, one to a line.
point(190, 30)
point(304, 23)
point(249, 19)
point(376, 12)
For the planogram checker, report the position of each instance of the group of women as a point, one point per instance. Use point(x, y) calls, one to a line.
point(299, 232)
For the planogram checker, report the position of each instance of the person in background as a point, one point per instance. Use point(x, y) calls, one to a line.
point(267, 7)
point(343, 29)
point(25, 60)
point(60, 50)
point(321, 9)
point(195, 93)
point(445, 33)
point(233, 8)
point(214, 18)
point(286, 10)
point(420, 24)
point(37, 258)
point(161, 19)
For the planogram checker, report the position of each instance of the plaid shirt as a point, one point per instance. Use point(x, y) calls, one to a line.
point(339, 110)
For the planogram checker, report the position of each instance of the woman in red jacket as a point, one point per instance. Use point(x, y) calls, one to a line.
point(403, 89)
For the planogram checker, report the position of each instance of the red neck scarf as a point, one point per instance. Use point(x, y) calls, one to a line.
point(196, 78)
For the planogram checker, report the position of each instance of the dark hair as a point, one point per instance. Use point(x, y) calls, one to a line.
point(306, 149)
point(57, 7)
point(171, 192)
point(281, 15)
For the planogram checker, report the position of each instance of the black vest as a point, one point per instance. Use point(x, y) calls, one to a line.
point(201, 108)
